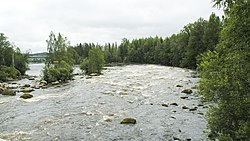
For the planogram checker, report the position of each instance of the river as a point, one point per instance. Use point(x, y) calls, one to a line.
point(92, 109)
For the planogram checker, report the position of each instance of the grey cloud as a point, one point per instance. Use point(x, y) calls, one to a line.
point(28, 23)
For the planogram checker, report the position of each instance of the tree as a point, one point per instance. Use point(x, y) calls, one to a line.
point(94, 63)
point(59, 60)
point(225, 77)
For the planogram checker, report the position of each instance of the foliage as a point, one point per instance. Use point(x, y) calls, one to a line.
point(12, 62)
point(226, 78)
point(94, 63)
point(57, 47)
point(59, 72)
point(59, 60)
point(8, 73)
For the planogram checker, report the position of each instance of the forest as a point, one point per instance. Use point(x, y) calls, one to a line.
point(219, 49)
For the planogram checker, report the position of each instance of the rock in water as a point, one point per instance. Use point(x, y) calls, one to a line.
point(164, 105)
point(26, 96)
point(179, 86)
point(128, 121)
point(26, 90)
point(9, 92)
point(55, 83)
point(174, 104)
point(187, 91)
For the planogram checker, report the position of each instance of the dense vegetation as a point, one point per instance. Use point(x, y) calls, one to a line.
point(58, 65)
point(225, 77)
point(94, 63)
point(12, 62)
point(179, 49)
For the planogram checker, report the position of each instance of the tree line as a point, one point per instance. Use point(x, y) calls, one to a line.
point(180, 49)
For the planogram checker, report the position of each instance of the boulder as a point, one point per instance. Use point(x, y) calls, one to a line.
point(9, 92)
point(185, 107)
point(26, 90)
point(1, 90)
point(174, 104)
point(31, 78)
point(26, 96)
point(187, 91)
point(128, 121)
point(26, 85)
point(193, 109)
point(184, 97)
point(164, 105)
point(94, 74)
point(43, 82)
point(55, 83)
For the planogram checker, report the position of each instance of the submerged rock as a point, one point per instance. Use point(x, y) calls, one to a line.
point(9, 92)
point(187, 91)
point(26, 96)
point(128, 121)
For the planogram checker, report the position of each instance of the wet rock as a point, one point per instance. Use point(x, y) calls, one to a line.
point(128, 121)
point(26, 85)
point(185, 107)
point(43, 82)
point(174, 104)
point(26, 90)
point(94, 74)
point(44, 87)
point(173, 117)
point(179, 86)
point(9, 92)
point(187, 91)
point(205, 107)
point(164, 105)
point(184, 97)
point(176, 139)
point(11, 87)
point(55, 83)
point(1, 90)
point(200, 105)
point(26, 96)
point(88, 77)
point(31, 78)
point(193, 109)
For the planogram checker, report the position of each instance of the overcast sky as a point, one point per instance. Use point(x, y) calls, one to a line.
point(27, 23)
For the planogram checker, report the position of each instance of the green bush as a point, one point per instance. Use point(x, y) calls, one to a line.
point(7, 73)
point(59, 72)
point(94, 63)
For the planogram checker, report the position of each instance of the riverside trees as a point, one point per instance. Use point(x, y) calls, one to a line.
point(12, 62)
point(225, 77)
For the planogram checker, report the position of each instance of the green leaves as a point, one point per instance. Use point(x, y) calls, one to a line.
point(94, 63)
point(225, 77)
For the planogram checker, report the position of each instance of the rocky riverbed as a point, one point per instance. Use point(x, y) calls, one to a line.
point(93, 108)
